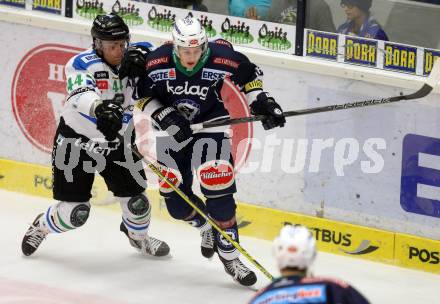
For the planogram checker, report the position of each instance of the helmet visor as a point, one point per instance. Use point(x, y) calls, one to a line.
point(110, 46)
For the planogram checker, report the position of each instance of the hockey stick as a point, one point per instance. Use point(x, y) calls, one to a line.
point(430, 83)
point(157, 171)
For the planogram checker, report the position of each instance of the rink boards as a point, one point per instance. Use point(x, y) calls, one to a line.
point(264, 223)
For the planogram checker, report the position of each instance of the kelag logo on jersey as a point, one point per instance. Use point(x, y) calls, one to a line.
point(163, 74)
point(195, 90)
point(420, 181)
point(212, 74)
point(37, 101)
point(234, 102)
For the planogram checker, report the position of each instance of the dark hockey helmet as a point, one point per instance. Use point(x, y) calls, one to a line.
point(110, 27)
point(363, 5)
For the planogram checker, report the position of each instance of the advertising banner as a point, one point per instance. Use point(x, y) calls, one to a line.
point(322, 45)
point(14, 3)
point(150, 17)
point(49, 6)
point(430, 56)
point(400, 58)
point(369, 52)
point(360, 51)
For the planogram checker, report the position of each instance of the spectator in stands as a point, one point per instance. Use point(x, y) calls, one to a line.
point(252, 9)
point(318, 14)
point(359, 21)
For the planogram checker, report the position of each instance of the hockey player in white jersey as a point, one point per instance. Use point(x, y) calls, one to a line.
point(98, 108)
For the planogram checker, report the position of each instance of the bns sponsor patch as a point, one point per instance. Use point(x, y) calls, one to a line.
point(101, 75)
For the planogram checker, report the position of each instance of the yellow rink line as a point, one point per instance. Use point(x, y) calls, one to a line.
point(264, 223)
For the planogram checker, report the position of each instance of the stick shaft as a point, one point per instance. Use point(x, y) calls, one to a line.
point(422, 92)
point(157, 171)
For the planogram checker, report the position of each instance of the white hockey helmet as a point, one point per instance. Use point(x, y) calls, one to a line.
point(294, 247)
point(189, 32)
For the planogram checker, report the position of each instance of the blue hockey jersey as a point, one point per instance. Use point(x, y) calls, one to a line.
point(170, 84)
point(297, 289)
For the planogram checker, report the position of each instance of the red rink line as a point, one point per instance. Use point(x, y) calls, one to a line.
point(22, 292)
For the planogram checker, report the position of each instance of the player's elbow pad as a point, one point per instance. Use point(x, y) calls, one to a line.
point(82, 99)
point(148, 105)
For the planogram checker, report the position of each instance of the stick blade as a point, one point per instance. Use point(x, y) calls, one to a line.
point(434, 77)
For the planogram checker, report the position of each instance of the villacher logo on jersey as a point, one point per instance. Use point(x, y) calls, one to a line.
point(216, 175)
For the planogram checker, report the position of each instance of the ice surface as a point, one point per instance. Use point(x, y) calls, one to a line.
point(95, 264)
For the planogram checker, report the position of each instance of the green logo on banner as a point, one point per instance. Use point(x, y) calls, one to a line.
point(130, 14)
point(238, 34)
point(275, 40)
point(161, 21)
point(89, 9)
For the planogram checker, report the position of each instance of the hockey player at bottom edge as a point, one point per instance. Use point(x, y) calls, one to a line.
point(295, 251)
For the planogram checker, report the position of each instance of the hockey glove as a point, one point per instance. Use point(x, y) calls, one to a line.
point(170, 120)
point(134, 62)
point(266, 105)
point(109, 115)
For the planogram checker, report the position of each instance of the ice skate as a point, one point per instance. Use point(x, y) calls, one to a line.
point(149, 247)
point(34, 237)
point(207, 246)
point(239, 272)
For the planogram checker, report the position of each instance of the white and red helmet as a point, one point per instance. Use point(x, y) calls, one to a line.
point(189, 32)
point(294, 247)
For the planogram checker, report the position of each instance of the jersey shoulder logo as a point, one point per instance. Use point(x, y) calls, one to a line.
point(89, 58)
point(157, 61)
point(224, 42)
point(225, 61)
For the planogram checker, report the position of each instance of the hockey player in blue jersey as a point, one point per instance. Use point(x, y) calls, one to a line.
point(97, 109)
point(182, 86)
point(359, 21)
point(295, 250)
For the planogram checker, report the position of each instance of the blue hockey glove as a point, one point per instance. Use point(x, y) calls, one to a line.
point(170, 120)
